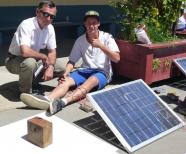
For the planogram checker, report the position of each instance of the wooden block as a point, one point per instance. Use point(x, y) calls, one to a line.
point(39, 132)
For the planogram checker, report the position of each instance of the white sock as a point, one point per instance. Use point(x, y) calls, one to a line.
point(64, 100)
point(47, 98)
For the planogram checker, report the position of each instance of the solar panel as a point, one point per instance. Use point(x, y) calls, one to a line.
point(181, 63)
point(135, 114)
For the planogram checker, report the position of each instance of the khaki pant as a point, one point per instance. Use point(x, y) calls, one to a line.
point(25, 68)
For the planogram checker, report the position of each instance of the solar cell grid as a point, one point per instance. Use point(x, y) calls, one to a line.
point(135, 113)
point(181, 63)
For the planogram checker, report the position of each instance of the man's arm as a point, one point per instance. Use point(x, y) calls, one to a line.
point(52, 57)
point(49, 61)
point(26, 52)
point(113, 55)
point(69, 68)
point(49, 73)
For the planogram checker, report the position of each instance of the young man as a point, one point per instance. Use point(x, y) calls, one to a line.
point(97, 49)
point(33, 35)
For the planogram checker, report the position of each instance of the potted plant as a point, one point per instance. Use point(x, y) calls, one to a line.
point(149, 62)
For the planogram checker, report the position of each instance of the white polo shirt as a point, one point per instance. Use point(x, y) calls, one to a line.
point(94, 57)
point(29, 33)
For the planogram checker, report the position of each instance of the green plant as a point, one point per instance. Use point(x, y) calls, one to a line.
point(156, 64)
point(157, 15)
point(167, 63)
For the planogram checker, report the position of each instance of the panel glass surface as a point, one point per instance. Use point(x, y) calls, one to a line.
point(181, 63)
point(136, 112)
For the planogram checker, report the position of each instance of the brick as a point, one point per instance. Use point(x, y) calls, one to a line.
point(39, 132)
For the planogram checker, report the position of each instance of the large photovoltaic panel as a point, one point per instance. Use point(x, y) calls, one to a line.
point(181, 63)
point(135, 114)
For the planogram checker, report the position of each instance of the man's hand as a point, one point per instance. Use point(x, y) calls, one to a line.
point(62, 78)
point(46, 62)
point(114, 56)
point(49, 73)
point(96, 43)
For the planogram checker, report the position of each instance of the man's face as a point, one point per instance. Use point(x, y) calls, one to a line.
point(46, 15)
point(92, 25)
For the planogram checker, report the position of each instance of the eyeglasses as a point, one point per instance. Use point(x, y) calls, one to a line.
point(46, 14)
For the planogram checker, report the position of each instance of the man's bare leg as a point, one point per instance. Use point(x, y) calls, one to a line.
point(78, 94)
point(43, 102)
point(53, 101)
point(61, 89)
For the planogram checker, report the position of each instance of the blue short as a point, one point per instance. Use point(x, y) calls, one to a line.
point(82, 74)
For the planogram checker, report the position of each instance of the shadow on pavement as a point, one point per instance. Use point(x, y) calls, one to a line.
point(11, 90)
point(178, 103)
point(28, 108)
point(96, 125)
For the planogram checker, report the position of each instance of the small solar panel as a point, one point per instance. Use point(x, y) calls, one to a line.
point(181, 63)
point(135, 114)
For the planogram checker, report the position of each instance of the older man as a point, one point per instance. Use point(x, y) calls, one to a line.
point(33, 35)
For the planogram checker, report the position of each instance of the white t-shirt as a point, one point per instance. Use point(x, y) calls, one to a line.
point(29, 33)
point(181, 24)
point(94, 57)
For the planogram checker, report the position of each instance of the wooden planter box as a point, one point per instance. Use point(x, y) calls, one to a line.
point(137, 60)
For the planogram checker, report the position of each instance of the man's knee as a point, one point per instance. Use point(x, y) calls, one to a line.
point(91, 83)
point(28, 63)
point(67, 82)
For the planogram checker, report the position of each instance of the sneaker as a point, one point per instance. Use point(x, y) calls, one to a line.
point(35, 101)
point(55, 106)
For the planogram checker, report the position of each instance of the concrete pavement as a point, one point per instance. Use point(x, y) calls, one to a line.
point(173, 143)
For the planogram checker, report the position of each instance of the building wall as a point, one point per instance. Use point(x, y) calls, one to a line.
point(12, 12)
point(57, 2)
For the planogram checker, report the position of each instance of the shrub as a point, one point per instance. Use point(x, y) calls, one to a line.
point(158, 15)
